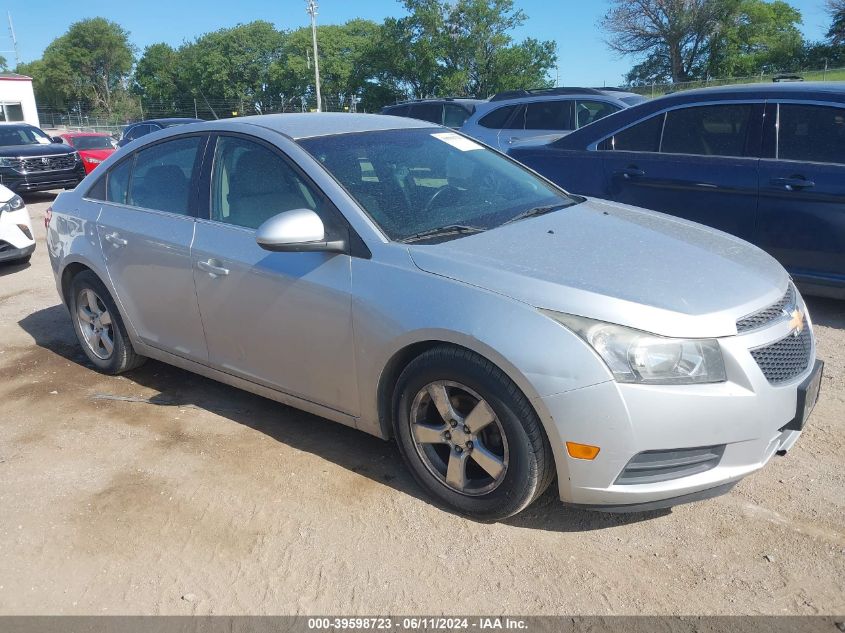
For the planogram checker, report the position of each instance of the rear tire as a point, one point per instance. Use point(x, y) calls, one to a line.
point(99, 327)
point(469, 435)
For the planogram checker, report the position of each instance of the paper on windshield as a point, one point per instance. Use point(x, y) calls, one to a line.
point(457, 141)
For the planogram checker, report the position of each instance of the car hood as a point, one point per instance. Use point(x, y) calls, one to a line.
point(618, 264)
point(50, 149)
point(101, 154)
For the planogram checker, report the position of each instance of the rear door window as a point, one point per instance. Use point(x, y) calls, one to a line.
point(454, 115)
point(137, 131)
point(431, 112)
point(811, 133)
point(640, 137)
point(163, 174)
point(549, 115)
point(713, 130)
point(117, 182)
point(497, 119)
point(399, 110)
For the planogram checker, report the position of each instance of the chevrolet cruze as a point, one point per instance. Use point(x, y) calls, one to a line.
point(402, 279)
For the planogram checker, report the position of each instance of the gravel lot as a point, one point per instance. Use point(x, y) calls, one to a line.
point(161, 492)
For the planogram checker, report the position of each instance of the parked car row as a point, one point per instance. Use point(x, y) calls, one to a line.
point(516, 116)
point(765, 162)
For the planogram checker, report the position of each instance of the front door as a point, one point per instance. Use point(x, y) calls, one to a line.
point(697, 163)
point(802, 193)
point(146, 227)
point(283, 320)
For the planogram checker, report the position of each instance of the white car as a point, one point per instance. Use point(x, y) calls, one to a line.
point(16, 240)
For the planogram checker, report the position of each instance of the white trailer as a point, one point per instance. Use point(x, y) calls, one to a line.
point(17, 100)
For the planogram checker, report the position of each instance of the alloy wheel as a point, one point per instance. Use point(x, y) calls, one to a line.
point(95, 323)
point(459, 438)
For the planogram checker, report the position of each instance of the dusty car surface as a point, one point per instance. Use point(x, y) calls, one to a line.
point(402, 279)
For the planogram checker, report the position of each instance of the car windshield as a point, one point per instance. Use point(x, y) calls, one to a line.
point(412, 181)
point(92, 142)
point(22, 135)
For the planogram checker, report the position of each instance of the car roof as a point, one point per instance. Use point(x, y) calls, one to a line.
point(833, 91)
point(766, 89)
point(168, 120)
point(74, 134)
point(311, 124)
point(469, 100)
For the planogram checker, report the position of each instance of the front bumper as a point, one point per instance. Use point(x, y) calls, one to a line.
point(43, 181)
point(10, 253)
point(741, 420)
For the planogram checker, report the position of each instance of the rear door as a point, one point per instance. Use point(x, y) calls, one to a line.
point(548, 118)
point(696, 162)
point(802, 191)
point(146, 227)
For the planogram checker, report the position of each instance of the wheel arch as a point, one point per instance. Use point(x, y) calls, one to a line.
point(410, 350)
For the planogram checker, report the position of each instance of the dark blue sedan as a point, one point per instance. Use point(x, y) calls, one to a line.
point(765, 162)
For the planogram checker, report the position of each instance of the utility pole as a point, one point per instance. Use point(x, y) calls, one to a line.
point(14, 40)
point(312, 11)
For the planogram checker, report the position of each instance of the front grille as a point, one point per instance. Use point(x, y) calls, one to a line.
point(43, 163)
point(653, 466)
point(787, 358)
point(766, 316)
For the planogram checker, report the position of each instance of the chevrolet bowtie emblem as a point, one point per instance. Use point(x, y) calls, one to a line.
point(796, 321)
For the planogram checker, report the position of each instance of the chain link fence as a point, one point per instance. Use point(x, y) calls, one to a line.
point(656, 89)
point(80, 118)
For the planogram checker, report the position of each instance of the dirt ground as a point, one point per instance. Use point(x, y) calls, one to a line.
point(192, 497)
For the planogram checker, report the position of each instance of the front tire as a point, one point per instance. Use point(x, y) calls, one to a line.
point(469, 435)
point(98, 326)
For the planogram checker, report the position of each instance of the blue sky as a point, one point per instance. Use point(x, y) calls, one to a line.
point(584, 59)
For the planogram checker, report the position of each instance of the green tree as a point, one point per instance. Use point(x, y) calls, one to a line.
point(344, 67)
point(90, 63)
point(462, 48)
point(158, 75)
point(755, 36)
point(672, 35)
point(232, 63)
point(836, 32)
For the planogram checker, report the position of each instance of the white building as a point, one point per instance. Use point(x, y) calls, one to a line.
point(17, 101)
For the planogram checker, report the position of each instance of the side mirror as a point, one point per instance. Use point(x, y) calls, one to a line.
point(57, 139)
point(300, 230)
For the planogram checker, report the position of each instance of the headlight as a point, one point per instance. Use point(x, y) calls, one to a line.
point(640, 357)
point(13, 204)
point(5, 162)
point(93, 161)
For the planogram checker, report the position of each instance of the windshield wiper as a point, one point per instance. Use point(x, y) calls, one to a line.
point(535, 211)
point(440, 231)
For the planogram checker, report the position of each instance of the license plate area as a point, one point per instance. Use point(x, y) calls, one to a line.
point(808, 395)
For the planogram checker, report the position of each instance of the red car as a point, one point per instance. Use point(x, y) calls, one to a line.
point(93, 147)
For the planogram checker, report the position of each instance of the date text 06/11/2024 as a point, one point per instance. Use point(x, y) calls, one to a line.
point(416, 623)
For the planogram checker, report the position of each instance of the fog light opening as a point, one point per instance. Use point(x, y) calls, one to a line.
point(582, 451)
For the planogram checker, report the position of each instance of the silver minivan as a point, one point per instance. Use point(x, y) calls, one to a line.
point(400, 278)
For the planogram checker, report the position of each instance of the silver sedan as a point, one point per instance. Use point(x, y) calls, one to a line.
point(402, 279)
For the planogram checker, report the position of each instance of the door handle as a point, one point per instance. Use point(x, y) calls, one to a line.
point(211, 269)
point(115, 240)
point(793, 184)
point(632, 171)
